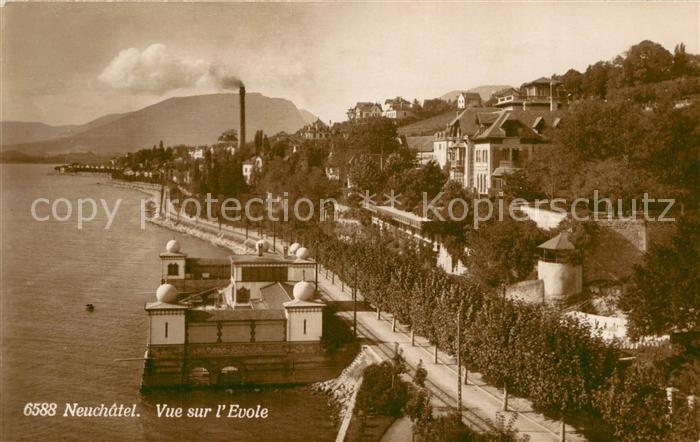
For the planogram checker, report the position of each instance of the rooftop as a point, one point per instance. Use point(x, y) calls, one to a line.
point(420, 144)
point(157, 305)
point(471, 95)
point(542, 80)
point(366, 106)
point(471, 120)
point(300, 303)
point(399, 215)
point(559, 242)
point(274, 296)
point(533, 123)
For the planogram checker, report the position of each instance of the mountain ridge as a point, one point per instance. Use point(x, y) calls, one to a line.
point(16, 132)
point(309, 117)
point(191, 120)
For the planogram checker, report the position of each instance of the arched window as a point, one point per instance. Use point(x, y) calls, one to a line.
point(173, 269)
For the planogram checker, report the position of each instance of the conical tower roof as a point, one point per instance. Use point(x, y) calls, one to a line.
point(559, 242)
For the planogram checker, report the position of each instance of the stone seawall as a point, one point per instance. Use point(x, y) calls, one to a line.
point(191, 228)
point(343, 389)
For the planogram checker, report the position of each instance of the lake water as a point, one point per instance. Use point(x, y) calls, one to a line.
point(53, 350)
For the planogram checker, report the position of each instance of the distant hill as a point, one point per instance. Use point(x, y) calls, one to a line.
point(16, 132)
point(484, 91)
point(307, 116)
point(194, 120)
point(102, 120)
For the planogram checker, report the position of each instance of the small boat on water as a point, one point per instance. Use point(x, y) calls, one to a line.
point(90, 307)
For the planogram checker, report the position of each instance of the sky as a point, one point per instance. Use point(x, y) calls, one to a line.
point(71, 63)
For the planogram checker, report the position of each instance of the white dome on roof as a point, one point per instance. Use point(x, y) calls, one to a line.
point(294, 247)
point(302, 253)
point(304, 291)
point(172, 246)
point(166, 293)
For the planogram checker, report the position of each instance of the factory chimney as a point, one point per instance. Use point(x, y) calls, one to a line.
point(241, 128)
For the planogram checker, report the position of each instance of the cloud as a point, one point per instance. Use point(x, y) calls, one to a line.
point(155, 70)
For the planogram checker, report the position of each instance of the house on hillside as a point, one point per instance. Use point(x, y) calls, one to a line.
point(197, 153)
point(543, 93)
point(466, 100)
point(397, 108)
point(482, 146)
point(318, 130)
point(507, 143)
point(497, 96)
point(363, 110)
point(452, 146)
point(250, 166)
point(285, 143)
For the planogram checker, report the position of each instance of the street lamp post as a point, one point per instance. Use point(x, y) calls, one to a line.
point(274, 237)
point(459, 359)
point(354, 303)
point(316, 257)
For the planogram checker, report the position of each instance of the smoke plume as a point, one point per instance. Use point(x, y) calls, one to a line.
point(156, 70)
point(230, 82)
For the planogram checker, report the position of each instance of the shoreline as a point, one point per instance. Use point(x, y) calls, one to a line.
point(184, 224)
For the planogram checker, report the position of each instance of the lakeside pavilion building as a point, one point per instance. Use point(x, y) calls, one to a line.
point(251, 319)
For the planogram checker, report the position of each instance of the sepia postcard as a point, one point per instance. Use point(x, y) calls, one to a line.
point(350, 221)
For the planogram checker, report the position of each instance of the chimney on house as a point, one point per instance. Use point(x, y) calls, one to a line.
point(241, 128)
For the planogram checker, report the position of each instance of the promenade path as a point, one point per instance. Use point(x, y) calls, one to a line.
point(481, 403)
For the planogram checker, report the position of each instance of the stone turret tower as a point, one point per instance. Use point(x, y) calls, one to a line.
point(559, 268)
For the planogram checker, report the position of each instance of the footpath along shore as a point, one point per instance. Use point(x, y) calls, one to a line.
point(481, 403)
